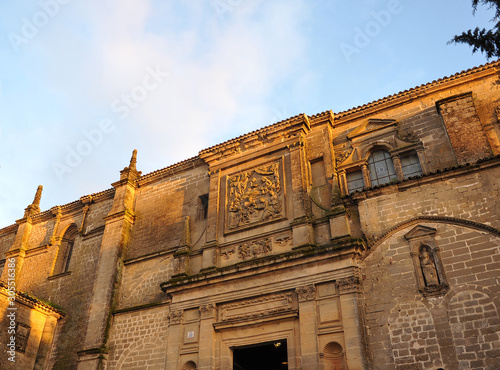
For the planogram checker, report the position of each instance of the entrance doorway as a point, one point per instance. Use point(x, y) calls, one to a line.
point(262, 356)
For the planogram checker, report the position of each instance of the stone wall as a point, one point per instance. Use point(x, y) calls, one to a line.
point(397, 276)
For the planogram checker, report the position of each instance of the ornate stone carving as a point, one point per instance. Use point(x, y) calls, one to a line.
point(254, 196)
point(283, 240)
point(428, 267)
point(176, 316)
point(208, 311)
point(306, 293)
point(342, 156)
point(254, 249)
point(34, 208)
point(253, 308)
point(350, 284)
point(227, 253)
point(429, 270)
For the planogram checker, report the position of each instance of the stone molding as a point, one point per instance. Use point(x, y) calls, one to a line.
point(257, 307)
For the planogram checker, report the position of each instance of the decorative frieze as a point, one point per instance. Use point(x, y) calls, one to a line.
point(254, 249)
point(257, 307)
point(306, 293)
point(254, 196)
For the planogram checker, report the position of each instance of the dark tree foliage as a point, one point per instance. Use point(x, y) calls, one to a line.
point(483, 40)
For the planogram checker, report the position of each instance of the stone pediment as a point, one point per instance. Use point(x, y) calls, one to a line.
point(420, 231)
point(372, 125)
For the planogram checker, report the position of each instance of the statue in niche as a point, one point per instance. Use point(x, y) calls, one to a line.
point(428, 268)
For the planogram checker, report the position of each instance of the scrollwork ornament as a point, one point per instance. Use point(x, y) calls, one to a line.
point(342, 156)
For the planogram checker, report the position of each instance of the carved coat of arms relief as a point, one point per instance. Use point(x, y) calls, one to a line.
point(254, 196)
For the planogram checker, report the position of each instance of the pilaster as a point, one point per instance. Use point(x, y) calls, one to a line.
point(308, 327)
point(303, 234)
point(211, 247)
point(207, 337)
point(174, 338)
point(43, 354)
point(118, 224)
point(352, 320)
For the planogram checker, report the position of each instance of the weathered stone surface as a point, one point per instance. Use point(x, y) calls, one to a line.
point(261, 240)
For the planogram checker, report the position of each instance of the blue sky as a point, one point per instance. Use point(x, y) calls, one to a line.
point(83, 83)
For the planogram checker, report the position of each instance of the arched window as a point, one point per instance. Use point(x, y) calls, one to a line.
point(63, 259)
point(381, 168)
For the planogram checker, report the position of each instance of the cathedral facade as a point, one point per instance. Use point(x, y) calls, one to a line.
point(365, 239)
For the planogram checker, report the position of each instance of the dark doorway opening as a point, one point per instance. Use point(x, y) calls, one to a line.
point(262, 356)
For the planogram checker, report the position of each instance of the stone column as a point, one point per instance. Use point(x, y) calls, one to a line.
point(366, 176)
point(174, 338)
point(207, 337)
point(114, 244)
point(308, 327)
point(397, 166)
point(211, 247)
point(343, 183)
point(302, 224)
point(43, 354)
point(352, 321)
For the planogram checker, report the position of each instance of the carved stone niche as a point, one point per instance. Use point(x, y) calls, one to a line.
point(255, 196)
point(429, 270)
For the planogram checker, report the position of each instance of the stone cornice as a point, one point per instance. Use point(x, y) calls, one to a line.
point(280, 261)
point(406, 96)
point(32, 302)
point(293, 126)
point(166, 172)
point(71, 209)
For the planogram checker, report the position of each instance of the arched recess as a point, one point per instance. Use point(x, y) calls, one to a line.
point(434, 219)
point(333, 357)
point(65, 251)
point(413, 336)
point(475, 327)
point(145, 353)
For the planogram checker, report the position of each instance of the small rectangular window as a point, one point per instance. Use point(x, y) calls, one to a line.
point(354, 181)
point(411, 166)
point(203, 207)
